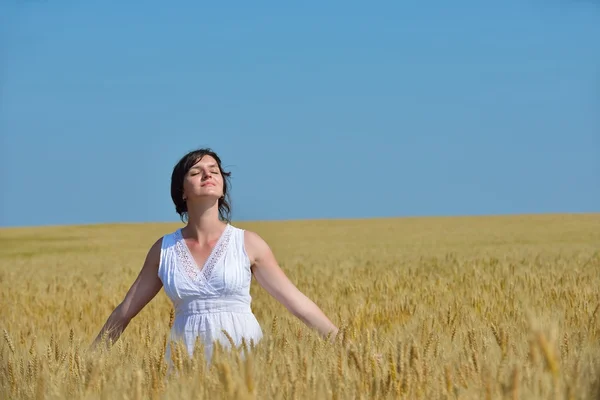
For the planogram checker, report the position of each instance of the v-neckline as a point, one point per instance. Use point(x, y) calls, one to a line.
point(211, 255)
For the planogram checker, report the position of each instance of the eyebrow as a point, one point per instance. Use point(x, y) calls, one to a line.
point(210, 166)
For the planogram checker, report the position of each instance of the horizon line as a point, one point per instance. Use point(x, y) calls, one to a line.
point(315, 219)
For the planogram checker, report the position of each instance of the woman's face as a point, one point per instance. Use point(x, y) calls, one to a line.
point(204, 179)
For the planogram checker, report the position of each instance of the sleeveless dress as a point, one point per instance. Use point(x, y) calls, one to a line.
point(210, 299)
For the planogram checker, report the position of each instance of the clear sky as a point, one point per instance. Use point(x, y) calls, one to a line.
point(320, 109)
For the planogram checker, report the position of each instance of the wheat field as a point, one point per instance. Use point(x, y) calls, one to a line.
point(429, 308)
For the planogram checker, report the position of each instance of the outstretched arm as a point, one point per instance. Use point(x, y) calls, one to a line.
point(143, 289)
point(272, 278)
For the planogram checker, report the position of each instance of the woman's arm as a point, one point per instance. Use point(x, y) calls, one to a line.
point(272, 278)
point(143, 289)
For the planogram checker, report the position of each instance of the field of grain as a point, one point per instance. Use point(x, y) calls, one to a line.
point(430, 308)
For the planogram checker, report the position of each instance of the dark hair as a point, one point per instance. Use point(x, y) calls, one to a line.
point(178, 175)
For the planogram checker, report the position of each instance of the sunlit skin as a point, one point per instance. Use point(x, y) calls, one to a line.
point(202, 189)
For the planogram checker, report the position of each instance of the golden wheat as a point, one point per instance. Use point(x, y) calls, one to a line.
point(428, 308)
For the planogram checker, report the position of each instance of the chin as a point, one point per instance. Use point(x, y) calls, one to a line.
point(211, 194)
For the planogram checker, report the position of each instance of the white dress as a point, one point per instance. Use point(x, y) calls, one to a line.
point(210, 299)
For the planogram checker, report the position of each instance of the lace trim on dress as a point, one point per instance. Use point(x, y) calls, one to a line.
point(215, 256)
point(188, 262)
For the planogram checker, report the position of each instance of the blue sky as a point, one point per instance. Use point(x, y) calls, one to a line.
point(320, 109)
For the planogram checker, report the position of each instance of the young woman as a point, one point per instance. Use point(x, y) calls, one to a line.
point(206, 267)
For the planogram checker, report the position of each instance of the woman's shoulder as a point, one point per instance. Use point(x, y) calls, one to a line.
point(254, 244)
point(250, 237)
point(166, 240)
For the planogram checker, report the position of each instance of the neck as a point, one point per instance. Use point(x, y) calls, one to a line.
point(203, 220)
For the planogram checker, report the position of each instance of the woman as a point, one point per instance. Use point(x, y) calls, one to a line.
point(206, 267)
